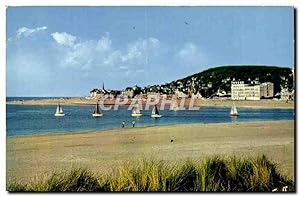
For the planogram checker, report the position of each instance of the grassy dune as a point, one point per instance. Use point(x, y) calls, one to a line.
point(210, 174)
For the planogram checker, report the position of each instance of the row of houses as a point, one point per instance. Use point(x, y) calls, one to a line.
point(251, 91)
point(239, 91)
point(100, 93)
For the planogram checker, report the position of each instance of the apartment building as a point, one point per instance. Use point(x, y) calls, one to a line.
point(242, 91)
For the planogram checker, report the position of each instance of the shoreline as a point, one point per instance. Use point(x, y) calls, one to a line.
point(208, 105)
point(35, 155)
point(197, 103)
point(50, 133)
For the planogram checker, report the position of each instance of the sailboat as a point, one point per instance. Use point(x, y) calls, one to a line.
point(174, 105)
point(155, 113)
point(136, 112)
point(233, 111)
point(97, 112)
point(59, 111)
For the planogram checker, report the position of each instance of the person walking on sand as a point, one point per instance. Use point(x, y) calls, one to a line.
point(123, 124)
point(133, 123)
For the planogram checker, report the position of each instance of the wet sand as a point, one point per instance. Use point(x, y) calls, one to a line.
point(33, 156)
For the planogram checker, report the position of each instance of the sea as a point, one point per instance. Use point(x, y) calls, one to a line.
point(31, 98)
point(37, 119)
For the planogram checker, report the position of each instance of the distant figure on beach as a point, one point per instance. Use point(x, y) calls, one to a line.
point(123, 124)
point(133, 123)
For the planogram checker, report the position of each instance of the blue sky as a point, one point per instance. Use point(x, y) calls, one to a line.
point(67, 51)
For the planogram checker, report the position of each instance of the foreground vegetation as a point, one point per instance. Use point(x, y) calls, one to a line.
point(211, 174)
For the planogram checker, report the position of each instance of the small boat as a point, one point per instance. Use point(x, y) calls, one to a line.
point(136, 112)
point(233, 111)
point(97, 112)
point(59, 112)
point(155, 113)
point(174, 105)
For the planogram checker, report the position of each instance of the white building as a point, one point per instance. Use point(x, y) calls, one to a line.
point(252, 92)
point(242, 91)
point(96, 93)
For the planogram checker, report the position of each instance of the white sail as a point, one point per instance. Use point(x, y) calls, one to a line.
point(231, 111)
point(234, 110)
point(57, 110)
point(136, 110)
point(153, 111)
point(97, 112)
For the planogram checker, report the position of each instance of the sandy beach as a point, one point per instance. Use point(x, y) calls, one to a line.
point(33, 156)
point(197, 102)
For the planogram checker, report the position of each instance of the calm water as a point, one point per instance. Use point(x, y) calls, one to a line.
point(22, 119)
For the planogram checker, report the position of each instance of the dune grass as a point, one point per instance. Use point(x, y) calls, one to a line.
point(215, 174)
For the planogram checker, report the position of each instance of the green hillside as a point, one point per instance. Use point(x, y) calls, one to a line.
point(209, 81)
